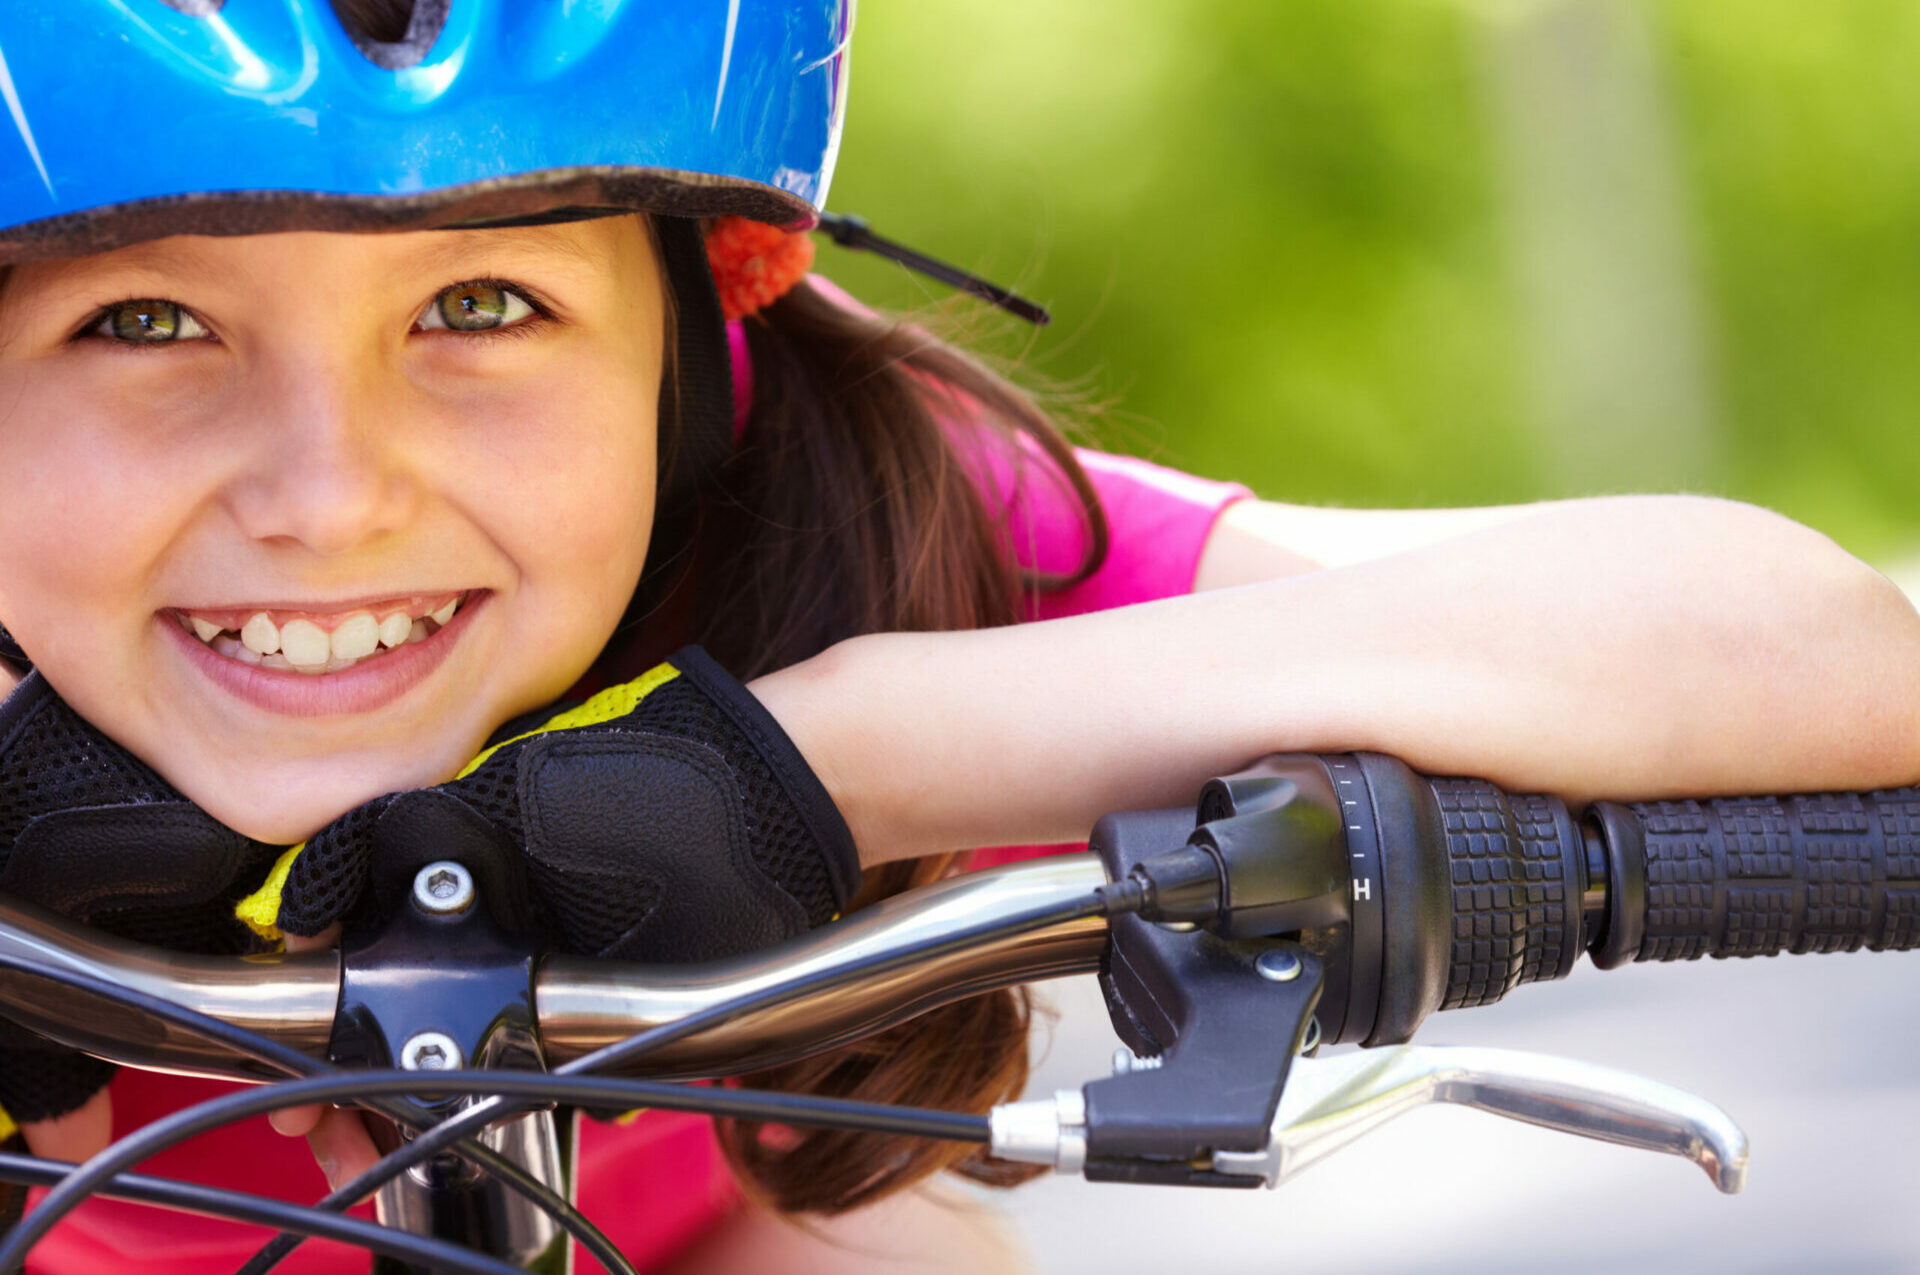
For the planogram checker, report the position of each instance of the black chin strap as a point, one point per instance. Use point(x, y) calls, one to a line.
point(696, 411)
point(10, 652)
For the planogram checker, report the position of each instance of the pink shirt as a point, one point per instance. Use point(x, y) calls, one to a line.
point(656, 1183)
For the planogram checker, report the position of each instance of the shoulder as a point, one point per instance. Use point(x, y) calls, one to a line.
point(1154, 521)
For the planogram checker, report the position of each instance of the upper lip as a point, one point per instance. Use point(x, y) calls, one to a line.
point(366, 602)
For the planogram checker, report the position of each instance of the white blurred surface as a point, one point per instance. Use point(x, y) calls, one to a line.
point(1817, 1057)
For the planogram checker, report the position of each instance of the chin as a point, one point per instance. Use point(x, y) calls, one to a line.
point(287, 823)
point(296, 810)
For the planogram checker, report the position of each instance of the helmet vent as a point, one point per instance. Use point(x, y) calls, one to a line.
point(195, 8)
point(393, 34)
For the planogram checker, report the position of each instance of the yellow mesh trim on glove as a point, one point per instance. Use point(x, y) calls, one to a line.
point(615, 701)
point(261, 909)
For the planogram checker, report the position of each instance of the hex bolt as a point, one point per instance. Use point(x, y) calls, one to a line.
point(1278, 965)
point(443, 888)
point(430, 1051)
point(1125, 1062)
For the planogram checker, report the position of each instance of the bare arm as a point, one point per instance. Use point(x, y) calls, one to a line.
point(1258, 540)
point(930, 1230)
point(1626, 647)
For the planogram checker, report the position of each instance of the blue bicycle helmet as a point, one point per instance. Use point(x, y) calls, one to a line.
point(134, 119)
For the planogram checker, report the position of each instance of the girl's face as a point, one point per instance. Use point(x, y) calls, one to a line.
point(214, 447)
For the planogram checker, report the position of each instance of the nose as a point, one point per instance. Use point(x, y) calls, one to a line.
point(320, 459)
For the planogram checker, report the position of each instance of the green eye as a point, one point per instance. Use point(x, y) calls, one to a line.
point(475, 307)
point(149, 322)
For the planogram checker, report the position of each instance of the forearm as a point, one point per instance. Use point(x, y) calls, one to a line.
point(1627, 648)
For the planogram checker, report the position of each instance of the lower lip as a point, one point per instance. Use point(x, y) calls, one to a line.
point(371, 684)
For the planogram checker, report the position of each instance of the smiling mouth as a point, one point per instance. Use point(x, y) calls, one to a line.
point(319, 641)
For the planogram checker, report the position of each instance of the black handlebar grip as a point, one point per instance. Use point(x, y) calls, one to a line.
point(1755, 876)
point(1479, 891)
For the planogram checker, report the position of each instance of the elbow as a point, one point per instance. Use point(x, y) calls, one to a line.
point(1846, 649)
point(1886, 643)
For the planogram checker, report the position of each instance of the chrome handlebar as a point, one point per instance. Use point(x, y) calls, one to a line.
point(583, 1005)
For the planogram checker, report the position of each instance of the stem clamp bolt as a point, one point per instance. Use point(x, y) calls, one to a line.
point(1278, 965)
point(430, 1051)
point(443, 888)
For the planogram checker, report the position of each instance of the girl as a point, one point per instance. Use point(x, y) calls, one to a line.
point(298, 515)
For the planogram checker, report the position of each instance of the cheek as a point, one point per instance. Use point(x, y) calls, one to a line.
point(573, 498)
point(83, 507)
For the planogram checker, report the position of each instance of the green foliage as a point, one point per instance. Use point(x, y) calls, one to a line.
point(1298, 244)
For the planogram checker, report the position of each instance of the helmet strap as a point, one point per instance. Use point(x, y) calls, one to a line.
point(696, 412)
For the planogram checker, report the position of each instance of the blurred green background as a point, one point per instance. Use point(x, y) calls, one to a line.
point(1431, 252)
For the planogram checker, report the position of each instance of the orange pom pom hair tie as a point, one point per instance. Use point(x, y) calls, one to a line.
point(755, 264)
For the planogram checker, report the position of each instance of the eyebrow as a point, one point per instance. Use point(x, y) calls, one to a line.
point(537, 243)
point(541, 246)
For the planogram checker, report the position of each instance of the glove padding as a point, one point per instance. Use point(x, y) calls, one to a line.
point(90, 831)
point(668, 819)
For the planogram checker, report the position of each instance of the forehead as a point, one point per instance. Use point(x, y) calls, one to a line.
point(585, 249)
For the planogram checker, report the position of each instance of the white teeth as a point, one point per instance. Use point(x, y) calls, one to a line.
point(260, 635)
point(357, 636)
point(303, 645)
point(306, 645)
point(233, 650)
point(394, 629)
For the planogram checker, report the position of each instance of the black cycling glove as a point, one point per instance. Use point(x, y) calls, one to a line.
point(90, 831)
point(666, 819)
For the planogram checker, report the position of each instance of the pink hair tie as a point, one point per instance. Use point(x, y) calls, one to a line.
point(753, 265)
point(742, 360)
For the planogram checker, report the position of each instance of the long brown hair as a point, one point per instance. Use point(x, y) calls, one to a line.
point(851, 507)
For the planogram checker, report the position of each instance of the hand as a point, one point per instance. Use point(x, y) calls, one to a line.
point(667, 819)
point(110, 843)
point(78, 1135)
point(337, 1136)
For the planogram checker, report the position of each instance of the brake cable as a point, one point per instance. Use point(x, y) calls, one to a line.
point(238, 1206)
point(61, 1200)
point(1106, 900)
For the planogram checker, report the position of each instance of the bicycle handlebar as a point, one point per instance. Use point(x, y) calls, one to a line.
point(1450, 893)
point(583, 1004)
point(1348, 897)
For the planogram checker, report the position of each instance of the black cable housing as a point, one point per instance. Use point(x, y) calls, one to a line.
point(238, 1206)
point(291, 1061)
point(430, 1143)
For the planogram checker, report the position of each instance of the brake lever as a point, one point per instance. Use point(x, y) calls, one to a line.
point(1330, 1102)
point(1217, 1019)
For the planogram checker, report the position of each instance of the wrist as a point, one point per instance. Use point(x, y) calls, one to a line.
point(813, 702)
